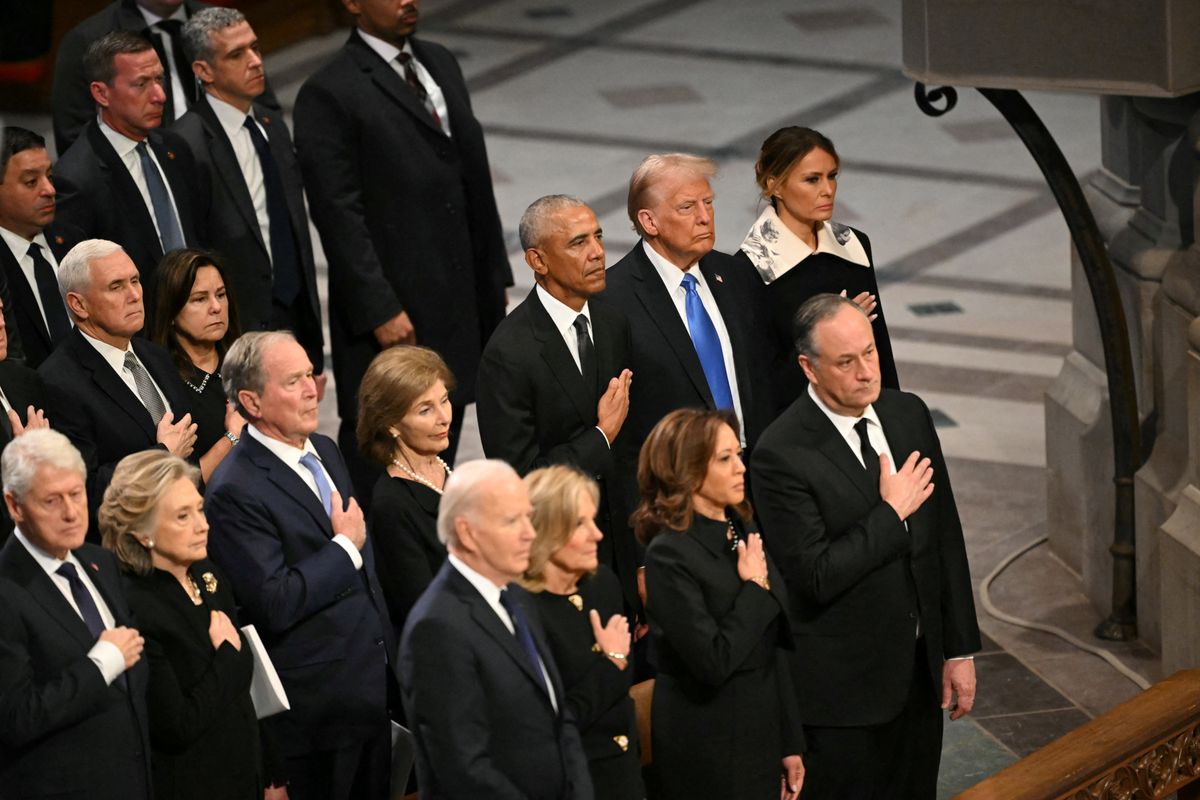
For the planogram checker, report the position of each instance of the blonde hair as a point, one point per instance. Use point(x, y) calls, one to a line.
point(392, 384)
point(554, 493)
point(649, 174)
point(131, 503)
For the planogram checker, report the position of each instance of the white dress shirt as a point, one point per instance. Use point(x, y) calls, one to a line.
point(233, 123)
point(19, 246)
point(672, 278)
point(105, 655)
point(388, 52)
point(116, 360)
point(491, 595)
point(291, 456)
point(127, 151)
point(845, 426)
point(178, 94)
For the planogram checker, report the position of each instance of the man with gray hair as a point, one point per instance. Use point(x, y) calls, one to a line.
point(72, 683)
point(288, 532)
point(553, 379)
point(693, 311)
point(257, 218)
point(112, 393)
point(856, 508)
point(481, 690)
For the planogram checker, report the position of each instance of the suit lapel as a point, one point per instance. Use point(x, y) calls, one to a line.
point(128, 199)
point(831, 444)
point(390, 82)
point(902, 438)
point(178, 181)
point(229, 172)
point(458, 105)
point(26, 572)
point(731, 314)
point(106, 582)
point(654, 298)
point(288, 482)
point(281, 149)
point(558, 359)
point(604, 339)
point(23, 298)
point(110, 383)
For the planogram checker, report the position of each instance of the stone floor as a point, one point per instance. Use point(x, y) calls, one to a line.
point(971, 251)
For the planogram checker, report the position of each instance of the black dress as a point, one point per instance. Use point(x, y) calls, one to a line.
point(204, 733)
point(821, 272)
point(208, 406)
point(597, 691)
point(403, 526)
point(724, 709)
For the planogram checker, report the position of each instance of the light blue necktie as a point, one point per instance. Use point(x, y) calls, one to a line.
point(313, 465)
point(707, 344)
point(170, 235)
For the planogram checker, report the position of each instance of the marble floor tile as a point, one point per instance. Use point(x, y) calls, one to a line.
point(1006, 686)
point(910, 351)
point(969, 754)
point(992, 430)
point(1025, 733)
point(1032, 318)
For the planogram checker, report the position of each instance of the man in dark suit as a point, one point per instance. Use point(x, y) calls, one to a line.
point(856, 507)
point(110, 392)
point(22, 400)
point(691, 309)
point(290, 536)
point(124, 179)
point(257, 219)
point(72, 685)
point(553, 387)
point(481, 690)
point(397, 174)
point(27, 201)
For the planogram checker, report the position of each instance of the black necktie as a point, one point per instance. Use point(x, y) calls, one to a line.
point(83, 599)
point(587, 351)
point(521, 631)
point(57, 324)
point(869, 456)
point(179, 65)
point(285, 264)
point(414, 82)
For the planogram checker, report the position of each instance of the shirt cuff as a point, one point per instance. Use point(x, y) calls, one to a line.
point(961, 658)
point(606, 441)
point(344, 542)
point(109, 659)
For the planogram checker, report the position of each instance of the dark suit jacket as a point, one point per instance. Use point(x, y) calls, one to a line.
point(71, 98)
point(97, 198)
point(233, 224)
point(535, 409)
point(483, 721)
point(666, 370)
point(724, 707)
point(99, 413)
point(202, 723)
point(63, 732)
point(324, 623)
point(406, 214)
point(28, 339)
point(23, 388)
point(859, 581)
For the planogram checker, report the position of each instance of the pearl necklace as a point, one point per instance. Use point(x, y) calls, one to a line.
point(200, 389)
point(409, 471)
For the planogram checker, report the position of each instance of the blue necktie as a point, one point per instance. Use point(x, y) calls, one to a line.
point(285, 264)
point(170, 235)
point(313, 465)
point(707, 344)
point(83, 599)
point(521, 631)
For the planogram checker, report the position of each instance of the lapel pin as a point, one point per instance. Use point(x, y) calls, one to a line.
point(58, 240)
point(170, 155)
point(92, 564)
point(719, 278)
point(266, 120)
point(210, 582)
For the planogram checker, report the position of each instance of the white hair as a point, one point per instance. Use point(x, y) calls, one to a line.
point(464, 492)
point(33, 449)
point(74, 271)
point(243, 368)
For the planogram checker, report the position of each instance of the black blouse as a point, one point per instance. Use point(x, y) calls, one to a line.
point(597, 691)
point(403, 526)
point(208, 407)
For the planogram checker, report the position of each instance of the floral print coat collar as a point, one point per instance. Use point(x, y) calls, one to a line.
point(773, 249)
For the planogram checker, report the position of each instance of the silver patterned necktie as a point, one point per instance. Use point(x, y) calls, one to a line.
point(145, 388)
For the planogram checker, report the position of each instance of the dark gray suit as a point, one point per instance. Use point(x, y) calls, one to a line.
point(233, 230)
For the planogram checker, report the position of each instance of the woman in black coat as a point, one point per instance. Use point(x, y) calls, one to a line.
point(799, 251)
point(404, 420)
point(725, 717)
point(204, 733)
point(580, 604)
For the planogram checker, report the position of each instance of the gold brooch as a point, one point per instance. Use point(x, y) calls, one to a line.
point(622, 742)
point(210, 582)
point(576, 601)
